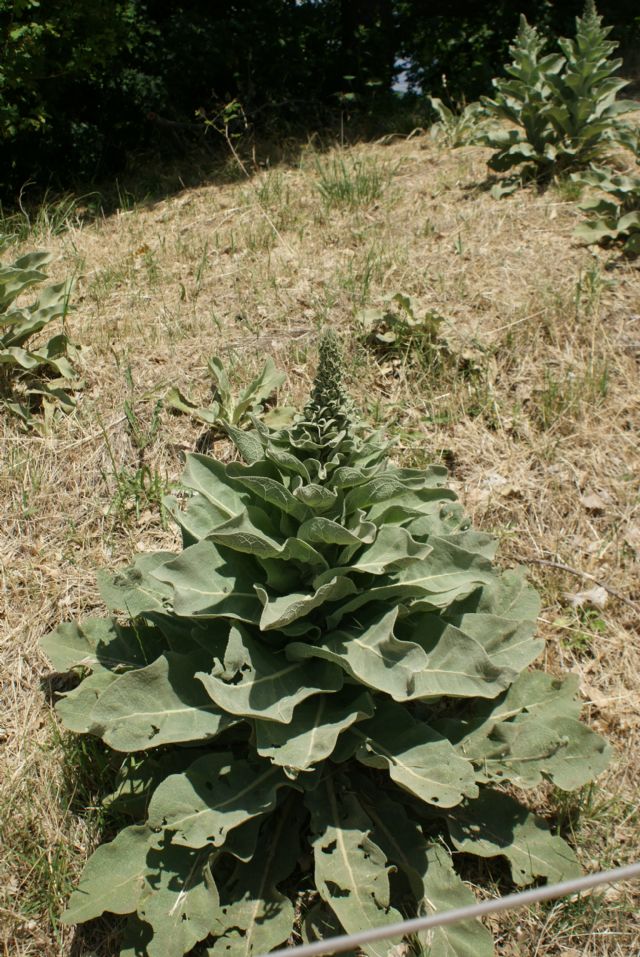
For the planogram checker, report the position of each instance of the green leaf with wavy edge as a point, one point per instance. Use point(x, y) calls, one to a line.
point(392, 548)
point(216, 794)
point(134, 590)
point(313, 732)
point(432, 879)
point(207, 585)
point(101, 644)
point(351, 871)
point(209, 479)
point(179, 898)
point(325, 531)
point(405, 669)
point(316, 497)
point(494, 824)
point(254, 916)
point(113, 878)
point(74, 707)
point(242, 534)
point(158, 705)
point(269, 488)
point(282, 610)
point(259, 682)
point(416, 757)
point(532, 734)
point(530, 750)
point(508, 643)
point(446, 574)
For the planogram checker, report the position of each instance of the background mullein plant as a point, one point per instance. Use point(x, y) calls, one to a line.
point(326, 689)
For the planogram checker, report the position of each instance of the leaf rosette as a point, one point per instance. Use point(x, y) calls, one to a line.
point(330, 677)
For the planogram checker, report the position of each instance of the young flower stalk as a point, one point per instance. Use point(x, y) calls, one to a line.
point(326, 688)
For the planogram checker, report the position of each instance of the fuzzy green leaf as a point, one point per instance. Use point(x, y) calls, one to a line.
point(160, 704)
point(313, 732)
point(206, 585)
point(257, 681)
point(494, 824)
point(101, 644)
point(214, 795)
point(416, 757)
point(282, 610)
point(254, 915)
point(433, 881)
point(351, 871)
point(178, 900)
point(113, 878)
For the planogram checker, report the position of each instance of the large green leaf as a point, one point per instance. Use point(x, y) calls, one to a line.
point(416, 757)
point(160, 704)
point(74, 707)
point(243, 534)
point(134, 590)
point(254, 916)
point(494, 824)
point(257, 681)
point(455, 665)
point(351, 871)
point(209, 479)
point(207, 584)
point(533, 734)
point(101, 644)
point(392, 548)
point(431, 876)
point(312, 734)
point(445, 575)
point(113, 878)
point(508, 643)
point(283, 610)
point(214, 795)
point(327, 532)
point(269, 488)
point(179, 898)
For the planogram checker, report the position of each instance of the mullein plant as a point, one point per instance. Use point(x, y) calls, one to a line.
point(563, 105)
point(613, 214)
point(34, 377)
point(327, 689)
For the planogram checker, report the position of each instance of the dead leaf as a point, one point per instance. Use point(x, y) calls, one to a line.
point(632, 538)
point(593, 502)
point(596, 597)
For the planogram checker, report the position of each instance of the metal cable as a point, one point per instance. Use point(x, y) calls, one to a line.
point(335, 945)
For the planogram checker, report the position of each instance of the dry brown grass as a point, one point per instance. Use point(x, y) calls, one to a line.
point(542, 441)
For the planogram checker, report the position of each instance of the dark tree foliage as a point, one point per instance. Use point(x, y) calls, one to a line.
point(84, 84)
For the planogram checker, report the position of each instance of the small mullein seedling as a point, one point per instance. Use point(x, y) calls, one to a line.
point(327, 688)
point(461, 128)
point(229, 410)
point(34, 377)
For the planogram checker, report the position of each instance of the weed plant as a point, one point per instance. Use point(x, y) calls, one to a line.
point(41, 377)
point(563, 105)
point(327, 688)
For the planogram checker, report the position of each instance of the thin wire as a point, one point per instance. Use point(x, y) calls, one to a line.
point(335, 945)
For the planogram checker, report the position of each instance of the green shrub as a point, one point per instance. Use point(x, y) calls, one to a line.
point(40, 376)
point(326, 688)
point(616, 216)
point(563, 104)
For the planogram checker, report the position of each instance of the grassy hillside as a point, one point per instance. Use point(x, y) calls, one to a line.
point(526, 388)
